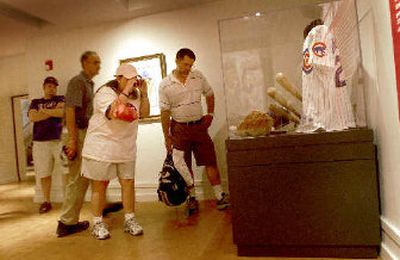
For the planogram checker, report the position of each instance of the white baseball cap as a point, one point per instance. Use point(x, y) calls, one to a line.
point(127, 70)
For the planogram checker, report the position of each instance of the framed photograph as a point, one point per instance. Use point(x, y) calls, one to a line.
point(22, 134)
point(153, 69)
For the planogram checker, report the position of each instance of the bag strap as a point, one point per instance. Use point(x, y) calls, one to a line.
point(168, 161)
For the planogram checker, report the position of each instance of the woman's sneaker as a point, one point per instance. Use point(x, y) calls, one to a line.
point(100, 231)
point(132, 227)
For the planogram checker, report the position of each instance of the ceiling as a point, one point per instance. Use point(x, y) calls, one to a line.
point(19, 19)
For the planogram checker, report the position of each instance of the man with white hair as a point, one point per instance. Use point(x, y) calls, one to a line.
point(79, 108)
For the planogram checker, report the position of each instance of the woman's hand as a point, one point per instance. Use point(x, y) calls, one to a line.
point(142, 86)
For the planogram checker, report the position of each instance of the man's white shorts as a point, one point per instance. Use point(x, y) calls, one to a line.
point(104, 171)
point(46, 156)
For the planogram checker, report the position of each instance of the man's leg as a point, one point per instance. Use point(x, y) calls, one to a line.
point(204, 153)
point(213, 175)
point(46, 188)
point(215, 181)
point(182, 147)
point(75, 192)
point(43, 167)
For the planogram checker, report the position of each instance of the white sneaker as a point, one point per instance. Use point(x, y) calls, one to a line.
point(132, 227)
point(100, 231)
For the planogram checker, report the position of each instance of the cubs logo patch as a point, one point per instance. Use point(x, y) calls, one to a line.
point(319, 49)
point(307, 67)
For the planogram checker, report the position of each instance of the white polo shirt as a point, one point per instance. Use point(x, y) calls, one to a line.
point(184, 100)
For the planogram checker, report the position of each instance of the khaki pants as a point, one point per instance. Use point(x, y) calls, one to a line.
point(76, 187)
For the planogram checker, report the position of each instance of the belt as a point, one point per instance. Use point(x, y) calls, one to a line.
point(190, 122)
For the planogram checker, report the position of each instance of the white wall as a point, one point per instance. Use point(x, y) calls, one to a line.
point(13, 82)
point(382, 114)
point(195, 27)
point(165, 33)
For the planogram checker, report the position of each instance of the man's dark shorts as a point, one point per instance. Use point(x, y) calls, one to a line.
point(194, 137)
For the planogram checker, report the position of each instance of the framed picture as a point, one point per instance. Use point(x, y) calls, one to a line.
point(153, 69)
point(22, 134)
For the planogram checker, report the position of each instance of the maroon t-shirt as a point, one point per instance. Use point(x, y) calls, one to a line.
point(50, 128)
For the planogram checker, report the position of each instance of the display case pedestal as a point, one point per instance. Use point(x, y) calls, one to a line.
point(306, 195)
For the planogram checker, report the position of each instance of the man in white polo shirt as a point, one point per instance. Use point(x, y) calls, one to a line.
point(185, 127)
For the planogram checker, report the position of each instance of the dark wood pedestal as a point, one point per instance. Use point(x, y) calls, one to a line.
point(306, 195)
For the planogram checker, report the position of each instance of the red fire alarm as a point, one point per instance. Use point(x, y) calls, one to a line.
point(48, 65)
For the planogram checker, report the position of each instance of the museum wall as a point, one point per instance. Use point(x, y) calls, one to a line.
point(163, 33)
point(13, 81)
point(196, 28)
point(382, 114)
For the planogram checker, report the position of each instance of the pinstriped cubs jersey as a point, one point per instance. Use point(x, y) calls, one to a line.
point(326, 103)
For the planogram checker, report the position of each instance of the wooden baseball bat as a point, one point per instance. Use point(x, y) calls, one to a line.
point(285, 83)
point(273, 93)
point(278, 110)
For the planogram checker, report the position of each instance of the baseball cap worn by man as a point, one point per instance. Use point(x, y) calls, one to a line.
point(51, 80)
point(126, 70)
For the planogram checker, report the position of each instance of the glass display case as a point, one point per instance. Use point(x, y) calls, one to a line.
point(264, 64)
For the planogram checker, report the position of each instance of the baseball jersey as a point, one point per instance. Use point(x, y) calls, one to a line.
point(326, 102)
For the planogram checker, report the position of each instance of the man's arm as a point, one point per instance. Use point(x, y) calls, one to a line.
point(210, 100)
point(58, 111)
point(165, 123)
point(36, 116)
point(72, 131)
point(207, 119)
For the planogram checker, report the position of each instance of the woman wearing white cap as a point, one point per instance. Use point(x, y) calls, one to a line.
point(109, 149)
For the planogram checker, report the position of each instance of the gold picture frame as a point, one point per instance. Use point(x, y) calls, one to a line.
point(153, 69)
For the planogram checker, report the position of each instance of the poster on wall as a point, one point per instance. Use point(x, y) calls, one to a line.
point(395, 15)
